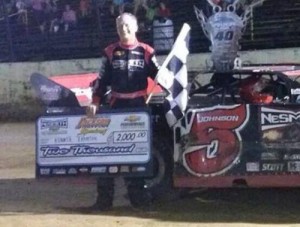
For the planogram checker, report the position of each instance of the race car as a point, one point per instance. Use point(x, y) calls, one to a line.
point(240, 129)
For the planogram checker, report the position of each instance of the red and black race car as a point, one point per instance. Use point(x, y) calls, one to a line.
point(240, 128)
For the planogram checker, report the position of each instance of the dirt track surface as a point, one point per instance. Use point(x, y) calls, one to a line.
point(25, 201)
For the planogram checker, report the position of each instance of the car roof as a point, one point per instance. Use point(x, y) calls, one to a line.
point(284, 69)
point(272, 67)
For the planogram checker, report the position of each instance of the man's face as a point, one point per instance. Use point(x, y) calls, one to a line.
point(126, 27)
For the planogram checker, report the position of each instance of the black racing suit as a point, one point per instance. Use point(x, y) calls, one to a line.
point(125, 69)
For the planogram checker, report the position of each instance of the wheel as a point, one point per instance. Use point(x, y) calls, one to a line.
point(161, 182)
point(143, 192)
point(139, 196)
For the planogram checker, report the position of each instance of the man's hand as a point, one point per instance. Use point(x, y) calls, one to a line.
point(91, 110)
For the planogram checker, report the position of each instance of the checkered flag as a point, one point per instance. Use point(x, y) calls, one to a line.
point(173, 77)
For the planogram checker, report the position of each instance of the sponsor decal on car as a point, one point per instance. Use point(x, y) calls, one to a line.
point(280, 126)
point(216, 139)
point(291, 157)
point(272, 167)
point(252, 166)
point(270, 155)
point(273, 117)
point(293, 166)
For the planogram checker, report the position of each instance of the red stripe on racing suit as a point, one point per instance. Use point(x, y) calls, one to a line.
point(125, 69)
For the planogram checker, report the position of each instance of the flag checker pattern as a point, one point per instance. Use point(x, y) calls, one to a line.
point(173, 77)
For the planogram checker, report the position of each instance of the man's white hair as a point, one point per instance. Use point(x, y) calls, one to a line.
point(129, 18)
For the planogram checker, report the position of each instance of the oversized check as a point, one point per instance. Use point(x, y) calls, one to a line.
point(109, 143)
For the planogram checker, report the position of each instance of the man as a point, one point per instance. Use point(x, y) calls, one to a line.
point(125, 67)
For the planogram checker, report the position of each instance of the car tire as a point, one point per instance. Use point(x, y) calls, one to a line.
point(161, 183)
point(139, 196)
point(144, 192)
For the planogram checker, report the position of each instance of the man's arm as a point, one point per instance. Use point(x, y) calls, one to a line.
point(99, 87)
point(151, 61)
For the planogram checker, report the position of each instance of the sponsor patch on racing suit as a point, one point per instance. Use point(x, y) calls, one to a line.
point(125, 69)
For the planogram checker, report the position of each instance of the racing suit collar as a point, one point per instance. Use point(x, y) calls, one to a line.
point(129, 46)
